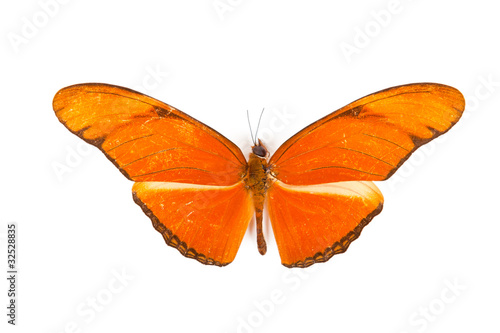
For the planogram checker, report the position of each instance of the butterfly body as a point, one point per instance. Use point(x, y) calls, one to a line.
point(258, 181)
point(201, 193)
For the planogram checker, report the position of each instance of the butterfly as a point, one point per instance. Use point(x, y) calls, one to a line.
point(200, 191)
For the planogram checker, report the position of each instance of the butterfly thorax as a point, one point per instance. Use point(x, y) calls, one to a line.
point(257, 181)
point(256, 178)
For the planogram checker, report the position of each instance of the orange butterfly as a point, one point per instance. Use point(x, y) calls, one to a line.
point(201, 193)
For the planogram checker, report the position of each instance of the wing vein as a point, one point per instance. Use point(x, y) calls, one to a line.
point(121, 144)
point(342, 167)
point(163, 170)
point(384, 139)
point(143, 157)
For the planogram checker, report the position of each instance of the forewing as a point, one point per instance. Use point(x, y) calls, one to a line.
point(146, 139)
point(370, 138)
point(314, 222)
point(206, 223)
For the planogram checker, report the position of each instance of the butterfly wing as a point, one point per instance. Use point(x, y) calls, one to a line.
point(189, 177)
point(311, 223)
point(370, 138)
point(203, 222)
point(146, 139)
point(364, 141)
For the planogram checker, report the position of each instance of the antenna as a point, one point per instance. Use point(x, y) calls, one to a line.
point(258, 124)
point(250, 125)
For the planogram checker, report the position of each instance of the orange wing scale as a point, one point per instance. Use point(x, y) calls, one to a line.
point(370, 138)
point(312, 223)
point(146, 139)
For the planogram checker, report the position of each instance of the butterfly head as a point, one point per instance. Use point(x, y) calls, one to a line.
point(260, 150)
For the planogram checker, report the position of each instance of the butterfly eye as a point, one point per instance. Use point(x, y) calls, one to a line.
point(259, 151)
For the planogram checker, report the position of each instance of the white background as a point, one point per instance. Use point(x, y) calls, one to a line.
point(428, 263)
